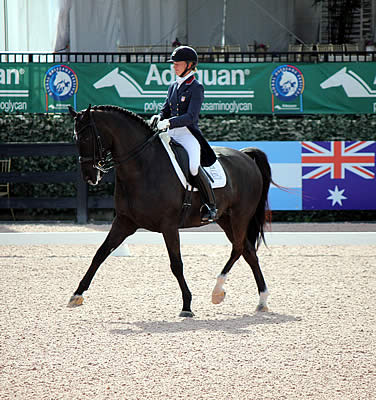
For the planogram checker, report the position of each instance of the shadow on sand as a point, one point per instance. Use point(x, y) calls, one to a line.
point(237, 325)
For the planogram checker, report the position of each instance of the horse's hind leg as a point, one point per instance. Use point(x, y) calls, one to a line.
point(119, 231)
point(250, 256)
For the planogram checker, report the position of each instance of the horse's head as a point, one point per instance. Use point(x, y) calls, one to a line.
point(92, 149)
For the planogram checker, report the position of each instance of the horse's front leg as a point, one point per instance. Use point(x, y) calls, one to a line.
point(119, 231)
point(172, 241)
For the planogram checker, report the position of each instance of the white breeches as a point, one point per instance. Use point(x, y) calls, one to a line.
point(184, 137)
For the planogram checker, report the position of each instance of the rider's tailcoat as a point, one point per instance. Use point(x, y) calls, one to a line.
point(182, 108)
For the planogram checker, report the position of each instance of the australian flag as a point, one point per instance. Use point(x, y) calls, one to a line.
point(338, 175)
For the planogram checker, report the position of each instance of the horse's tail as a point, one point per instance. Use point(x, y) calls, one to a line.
point(262, 215)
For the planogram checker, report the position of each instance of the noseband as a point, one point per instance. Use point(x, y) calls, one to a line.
point(102, 159)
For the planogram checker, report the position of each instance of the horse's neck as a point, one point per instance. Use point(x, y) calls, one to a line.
point(128, 137)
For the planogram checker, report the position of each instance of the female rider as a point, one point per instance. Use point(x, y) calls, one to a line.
point(180, 114)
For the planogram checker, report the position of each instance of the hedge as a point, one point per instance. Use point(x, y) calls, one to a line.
point(59, 128)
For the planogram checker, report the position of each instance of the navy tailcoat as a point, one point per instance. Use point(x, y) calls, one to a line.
point(182, 107)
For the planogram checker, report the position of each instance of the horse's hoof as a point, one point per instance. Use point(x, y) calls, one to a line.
point(75, 301)
point(186, 314)
point(218, 297)
point(262, 308)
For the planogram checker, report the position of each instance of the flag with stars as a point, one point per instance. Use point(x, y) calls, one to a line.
point(338, 175)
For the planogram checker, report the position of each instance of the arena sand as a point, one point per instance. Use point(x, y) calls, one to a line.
point(127, 341)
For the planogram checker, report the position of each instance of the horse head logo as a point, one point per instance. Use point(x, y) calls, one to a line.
point(353, 84)
point(125, 85)
point(62, 83)
point(288, 83)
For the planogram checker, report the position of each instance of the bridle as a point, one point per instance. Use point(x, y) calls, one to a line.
point(102, 159)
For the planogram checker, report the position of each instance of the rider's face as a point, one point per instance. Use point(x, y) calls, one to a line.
point(179, 67)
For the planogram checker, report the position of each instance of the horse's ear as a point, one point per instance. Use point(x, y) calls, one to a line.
point(72, 112)
point(87, 112)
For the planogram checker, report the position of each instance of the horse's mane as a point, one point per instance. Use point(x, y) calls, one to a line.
point(124, 112)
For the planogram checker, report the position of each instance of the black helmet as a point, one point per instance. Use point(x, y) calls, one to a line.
point(184, 53)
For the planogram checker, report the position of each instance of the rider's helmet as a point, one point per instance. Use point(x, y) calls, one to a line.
point(184, 53)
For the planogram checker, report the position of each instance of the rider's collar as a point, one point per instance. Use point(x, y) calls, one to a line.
point(180, 79)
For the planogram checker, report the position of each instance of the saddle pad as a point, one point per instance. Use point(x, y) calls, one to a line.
point(215, 171)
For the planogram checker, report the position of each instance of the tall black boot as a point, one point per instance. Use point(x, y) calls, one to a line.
point(209, 209)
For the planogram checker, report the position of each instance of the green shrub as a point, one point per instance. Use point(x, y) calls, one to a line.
point(59, 127)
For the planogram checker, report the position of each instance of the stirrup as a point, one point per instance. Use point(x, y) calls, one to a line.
point(209, 213)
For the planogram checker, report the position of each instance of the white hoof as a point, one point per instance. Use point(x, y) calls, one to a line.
point(75, 301)
point(219, 293)
point(262, 308)
point(262, 305)
point(218, 297)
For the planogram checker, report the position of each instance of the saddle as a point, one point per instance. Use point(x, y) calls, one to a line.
point(180, 161)
point(181, 156)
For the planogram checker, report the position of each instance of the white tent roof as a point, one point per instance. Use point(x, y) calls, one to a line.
point(101, 26)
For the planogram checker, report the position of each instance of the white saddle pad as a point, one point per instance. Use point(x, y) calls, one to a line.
point(216, 170)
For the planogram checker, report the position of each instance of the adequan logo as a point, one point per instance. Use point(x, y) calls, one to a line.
point(127, 86)
point(11, 77)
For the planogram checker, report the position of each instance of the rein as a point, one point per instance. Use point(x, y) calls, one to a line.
point(136, 151)
point(105, 161)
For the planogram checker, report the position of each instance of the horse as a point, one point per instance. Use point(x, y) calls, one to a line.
point(148, 194)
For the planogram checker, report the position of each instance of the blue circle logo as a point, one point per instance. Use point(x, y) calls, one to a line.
point(61, 82)
point(287, 82)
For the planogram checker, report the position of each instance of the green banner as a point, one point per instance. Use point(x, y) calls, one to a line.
point(233, 88)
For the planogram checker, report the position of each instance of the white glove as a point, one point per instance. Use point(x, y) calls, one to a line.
point(154, 120)
point(163, 125)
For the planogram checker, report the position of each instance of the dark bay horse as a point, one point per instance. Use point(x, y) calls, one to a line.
point(148, 194)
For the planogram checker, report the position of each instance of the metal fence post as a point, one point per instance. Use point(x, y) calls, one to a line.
point(82, 198)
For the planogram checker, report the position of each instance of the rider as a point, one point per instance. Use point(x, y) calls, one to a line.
point(180, 114)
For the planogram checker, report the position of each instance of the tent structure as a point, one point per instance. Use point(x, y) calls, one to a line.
point(27, 25)
point(103, 26)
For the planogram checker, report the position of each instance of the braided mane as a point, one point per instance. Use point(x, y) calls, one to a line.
point(125, 112)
